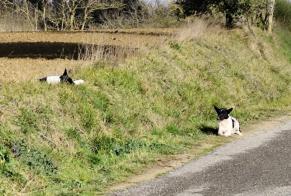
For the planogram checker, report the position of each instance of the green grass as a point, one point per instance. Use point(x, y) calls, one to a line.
point(82, 139)
point(285, 39)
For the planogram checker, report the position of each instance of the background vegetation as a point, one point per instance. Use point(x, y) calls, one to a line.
point(88, 14)
point(283, 12)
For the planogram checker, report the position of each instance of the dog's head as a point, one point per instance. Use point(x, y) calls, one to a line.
point(65, 78)
point(222, 113)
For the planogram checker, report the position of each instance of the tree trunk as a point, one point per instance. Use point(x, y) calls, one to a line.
point(85, 18)
point(72, 21)
point(270, 15)
point(229, 21)
point(44, 17)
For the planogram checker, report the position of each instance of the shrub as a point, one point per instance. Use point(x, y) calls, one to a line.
point(283, 12)
point(34, 159)
point(234, 10)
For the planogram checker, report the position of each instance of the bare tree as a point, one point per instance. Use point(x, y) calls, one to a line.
point(21, 8)
point(68, 14)
point(270, 14)
point(45, 5)
point(90, 6)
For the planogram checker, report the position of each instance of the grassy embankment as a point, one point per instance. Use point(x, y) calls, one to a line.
point(64, 139)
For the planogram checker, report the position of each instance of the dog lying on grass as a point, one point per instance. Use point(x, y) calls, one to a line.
point(227, 125)
point(61, 79)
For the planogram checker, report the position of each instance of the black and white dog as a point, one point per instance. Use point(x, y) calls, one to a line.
point(61, 79)
point(227, 125)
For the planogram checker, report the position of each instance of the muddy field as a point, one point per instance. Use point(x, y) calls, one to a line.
point(118, 39)
point(27, 56)
point(79, 45)
point(141, 31)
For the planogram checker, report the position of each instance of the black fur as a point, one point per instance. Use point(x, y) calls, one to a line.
point(43, 79)
point(65, 78)
point(232, 123)
point(222, 113)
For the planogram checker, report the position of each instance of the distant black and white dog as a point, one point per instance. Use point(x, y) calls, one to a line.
point(61, 79)
point(228, 125)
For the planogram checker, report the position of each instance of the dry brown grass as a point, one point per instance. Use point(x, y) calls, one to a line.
point(196, 29)
point(18, 70)
point(127, 40)
point(149, 31)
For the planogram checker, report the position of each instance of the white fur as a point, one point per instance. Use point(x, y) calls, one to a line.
point(53, 79)
point(78, 82)
point(226, 129)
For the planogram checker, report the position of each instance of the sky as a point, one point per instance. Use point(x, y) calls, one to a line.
point(165, 2)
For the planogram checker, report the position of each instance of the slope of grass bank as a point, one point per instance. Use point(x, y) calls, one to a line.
point(81, 139)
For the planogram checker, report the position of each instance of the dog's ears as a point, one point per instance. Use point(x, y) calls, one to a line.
point(229, 110)
point(65, 72)
point(216, 109)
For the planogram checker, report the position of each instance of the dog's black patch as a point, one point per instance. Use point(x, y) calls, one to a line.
point(208, 130)
point(70, 81)
point(43, 79)
point(232, 122)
